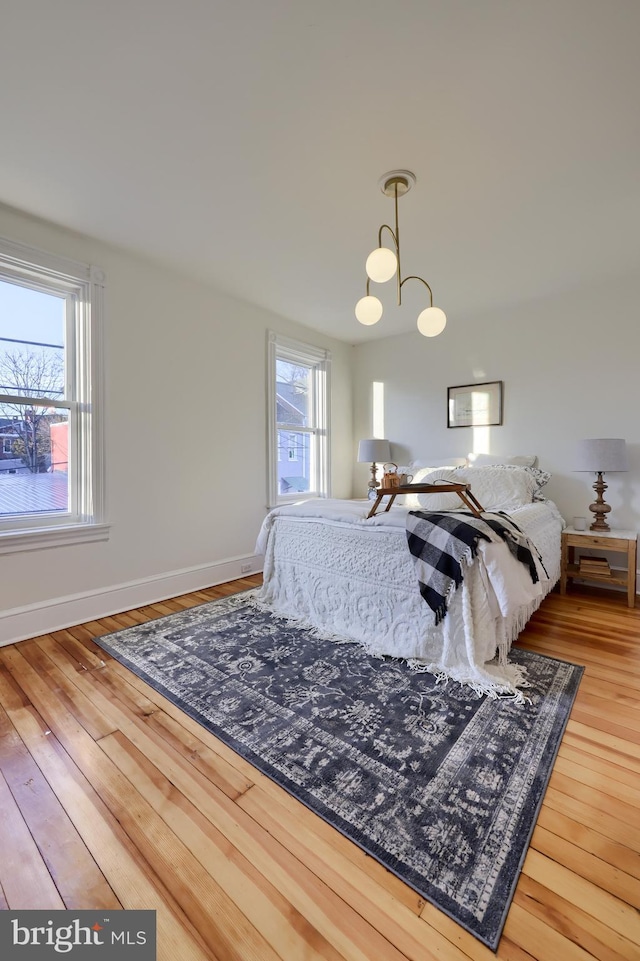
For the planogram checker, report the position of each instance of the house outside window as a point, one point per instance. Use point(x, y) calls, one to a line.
point(299, 390)
point(51, 378)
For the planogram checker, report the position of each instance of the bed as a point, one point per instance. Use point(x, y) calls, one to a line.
point(352, 578)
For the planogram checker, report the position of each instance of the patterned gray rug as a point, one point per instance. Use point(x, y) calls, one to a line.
point(439, 785)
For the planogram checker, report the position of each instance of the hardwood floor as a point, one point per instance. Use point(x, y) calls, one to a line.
point(111, 797)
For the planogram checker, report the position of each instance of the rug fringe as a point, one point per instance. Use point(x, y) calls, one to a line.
point(482, 686)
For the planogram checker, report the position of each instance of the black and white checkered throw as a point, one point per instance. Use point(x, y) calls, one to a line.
point(441, 542)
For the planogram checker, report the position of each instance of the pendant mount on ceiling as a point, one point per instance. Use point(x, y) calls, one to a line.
point(402, 180)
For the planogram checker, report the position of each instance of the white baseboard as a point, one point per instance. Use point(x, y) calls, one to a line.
point(44, 617)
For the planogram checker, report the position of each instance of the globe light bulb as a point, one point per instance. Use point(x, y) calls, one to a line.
point(381, 265)
point(432, 322)
point(368, 310)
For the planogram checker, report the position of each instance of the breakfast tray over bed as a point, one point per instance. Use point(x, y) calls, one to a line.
point(462, 490)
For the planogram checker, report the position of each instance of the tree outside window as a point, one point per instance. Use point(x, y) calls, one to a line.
point(31, 372)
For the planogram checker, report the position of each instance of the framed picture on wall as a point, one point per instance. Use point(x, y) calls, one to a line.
point(475, 405)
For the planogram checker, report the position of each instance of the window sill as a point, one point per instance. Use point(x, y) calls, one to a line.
point(43, 538)
point(297, 498)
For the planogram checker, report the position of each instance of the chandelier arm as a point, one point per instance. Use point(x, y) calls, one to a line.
point(396, 244)
point(395, 239)
point(413, 277)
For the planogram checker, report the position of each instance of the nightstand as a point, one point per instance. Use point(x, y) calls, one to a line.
point(616, 542)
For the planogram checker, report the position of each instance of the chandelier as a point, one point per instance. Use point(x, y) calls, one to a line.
point(383, 262)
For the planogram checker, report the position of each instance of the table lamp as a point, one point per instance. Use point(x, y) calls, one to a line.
point(374, 451)
point(599, 455)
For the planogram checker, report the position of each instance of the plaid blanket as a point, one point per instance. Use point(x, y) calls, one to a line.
point(441, 543)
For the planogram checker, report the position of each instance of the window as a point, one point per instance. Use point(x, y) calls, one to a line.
point(298, 379)
point(52, 464)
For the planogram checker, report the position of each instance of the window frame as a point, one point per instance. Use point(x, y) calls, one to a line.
point(319, 360)
point(82, 286)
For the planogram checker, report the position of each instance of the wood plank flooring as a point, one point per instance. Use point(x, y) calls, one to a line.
point(111, 797)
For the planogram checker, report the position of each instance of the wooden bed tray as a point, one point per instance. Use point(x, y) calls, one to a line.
point(462, 490)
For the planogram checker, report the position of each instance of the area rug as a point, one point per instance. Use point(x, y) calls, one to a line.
point(440, 785)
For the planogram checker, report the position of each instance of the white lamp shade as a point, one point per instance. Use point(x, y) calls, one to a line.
point(602, 454)
point(374, 451)
point(432, 322)
point(368, 310)
point(381, 264)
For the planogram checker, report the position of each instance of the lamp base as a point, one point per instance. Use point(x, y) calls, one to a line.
point(373, 482)
point(599, 508)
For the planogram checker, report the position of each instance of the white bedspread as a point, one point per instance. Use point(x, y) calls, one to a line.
point(351, 578)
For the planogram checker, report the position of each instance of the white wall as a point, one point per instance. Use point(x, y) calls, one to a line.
point(186, 442)
point(570, 365)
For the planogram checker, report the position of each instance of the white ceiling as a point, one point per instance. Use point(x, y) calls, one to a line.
point(243, 141)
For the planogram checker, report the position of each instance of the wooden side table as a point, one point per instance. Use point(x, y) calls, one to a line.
point(616, 542)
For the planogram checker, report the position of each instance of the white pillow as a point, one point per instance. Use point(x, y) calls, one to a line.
point(421, 463)
point(541, 477)
point(488, 460)
point(495, 488)
point(430, 475)
point(421, 475)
